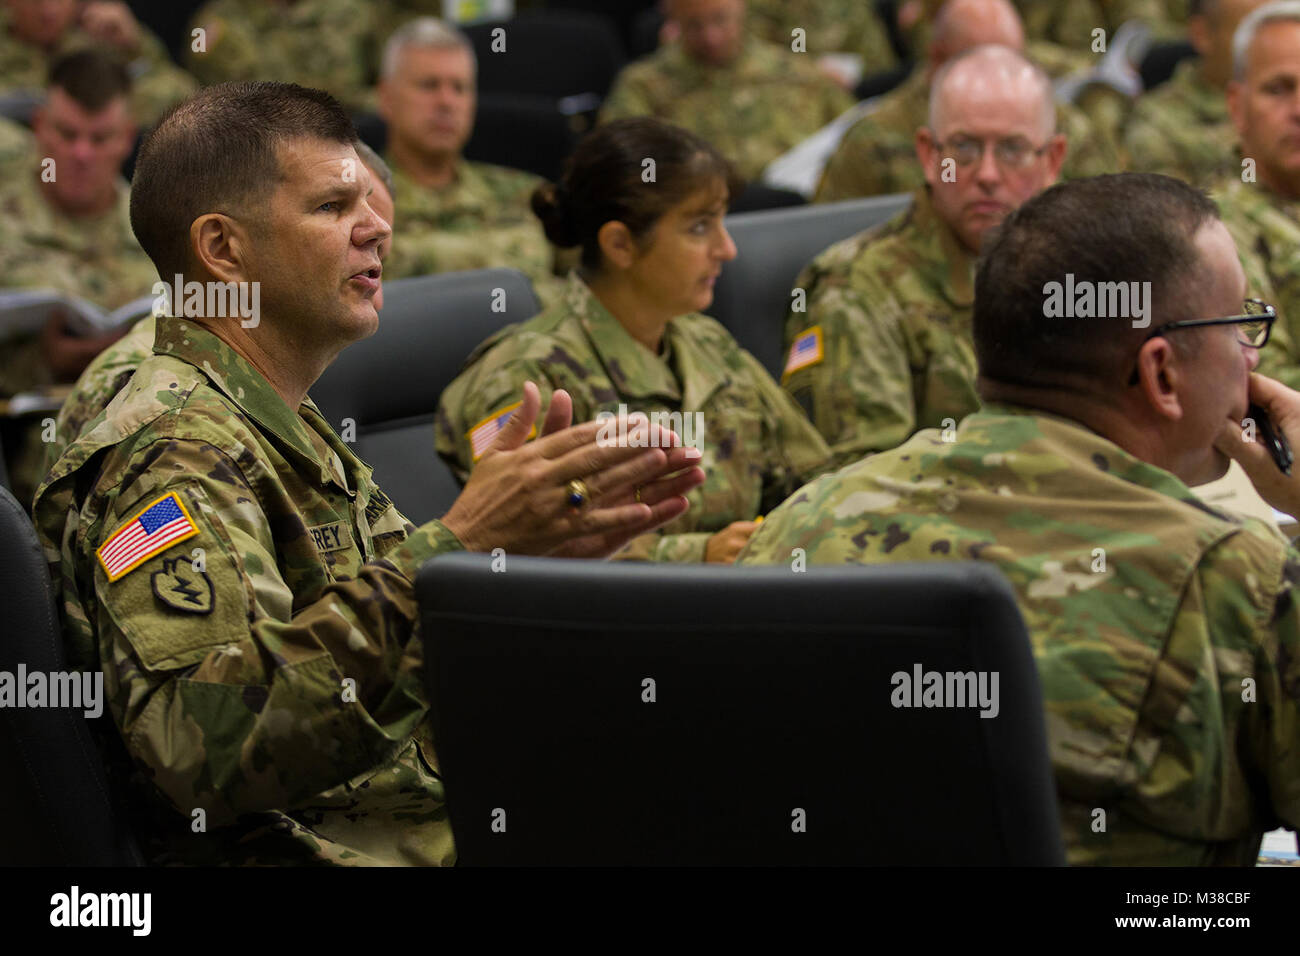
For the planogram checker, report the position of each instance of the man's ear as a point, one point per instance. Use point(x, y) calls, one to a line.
point(1236, 106)
point(927, 152)
point(1057, 148)
point(617, 246)
point(1161, 378)
point(220, 246)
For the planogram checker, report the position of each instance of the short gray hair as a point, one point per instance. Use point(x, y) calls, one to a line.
point(375, 163)
point(1251, 23)
point(426, 32)
point(1002, 56)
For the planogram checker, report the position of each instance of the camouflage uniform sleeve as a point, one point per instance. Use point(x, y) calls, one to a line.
point(796, 453)
point(233, 697)
point(484, 392)
point(860, 394)
point(1271, 726)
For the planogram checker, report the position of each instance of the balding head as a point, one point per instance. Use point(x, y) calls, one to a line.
point(991, 143)
point(961, 25)
point(991, 74)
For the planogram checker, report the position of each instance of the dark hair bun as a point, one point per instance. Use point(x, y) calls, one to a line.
point(550, 206)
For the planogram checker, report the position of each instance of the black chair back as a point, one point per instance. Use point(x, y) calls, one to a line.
point(623, 714)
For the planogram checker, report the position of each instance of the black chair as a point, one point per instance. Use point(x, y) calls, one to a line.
point(752, 295)
point(170, 21)
point(1161, 59)
point(552, 53)
point(623, 15)
point(55, 801)
point(523, 132)
point(384, 391)
point(751, 718)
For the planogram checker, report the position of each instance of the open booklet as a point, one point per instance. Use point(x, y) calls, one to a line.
point(26, 311)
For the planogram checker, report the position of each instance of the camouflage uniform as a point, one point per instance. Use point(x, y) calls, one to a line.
point(877, 155)
point(754, 110)
point(482, 219)
point(1142, 660)
point(1182, 129)
point(757, 445)
point(1266, 229)
point(890, 310)
point(105, 376)
point(157, 82)
point(1071, 24)
point(97, 259)
point(332, 45)
point(830, 26)
point(226, 677)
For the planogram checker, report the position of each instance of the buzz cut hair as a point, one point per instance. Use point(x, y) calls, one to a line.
point(1280, 11)
point(426, 33)
point(92, 79)
point(218, 152)
point(1000, 57)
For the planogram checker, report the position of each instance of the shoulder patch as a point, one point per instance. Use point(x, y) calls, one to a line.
point(482, 435)
point(806, 350)
point(177, 585)
point(159, 525)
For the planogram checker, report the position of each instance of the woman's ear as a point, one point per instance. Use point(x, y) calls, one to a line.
point(618, 248)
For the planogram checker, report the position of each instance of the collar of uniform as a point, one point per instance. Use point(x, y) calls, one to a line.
point(693, 73)
point(41, 220)
point(231, 373)
point(466, 191)
point(1076, 442)
point(1260, 200)
point(937, 242)
point(1209, 103)
point(631, 367)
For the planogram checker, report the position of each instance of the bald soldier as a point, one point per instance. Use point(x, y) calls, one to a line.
point(1182, 128)
point(1261, 203)
point(1166, 632)
point(35, 33)
point(883, 347)
point(753, 100)
point(456, 214)
point(227, 562)
point(876, 155)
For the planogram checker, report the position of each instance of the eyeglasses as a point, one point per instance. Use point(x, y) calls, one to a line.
point(1014, 153)
point(1253, 326)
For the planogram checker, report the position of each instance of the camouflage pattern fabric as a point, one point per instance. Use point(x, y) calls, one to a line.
point(264, 668)
point(830, 26)
point(1072, 24)
point(757, 445)
point(889, 311)
point(764, 103)
point(877, 155)
point(1266, 229)
point(1182, 129)
point(96, 259)
point(17, 146)
point(1143, 651)
point(157, 82)
point(332, 45)
point(105, 376)
point(483, 219)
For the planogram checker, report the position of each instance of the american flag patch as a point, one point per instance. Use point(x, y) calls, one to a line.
point(806, 350)
point(155, 529)
point(482, 435)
